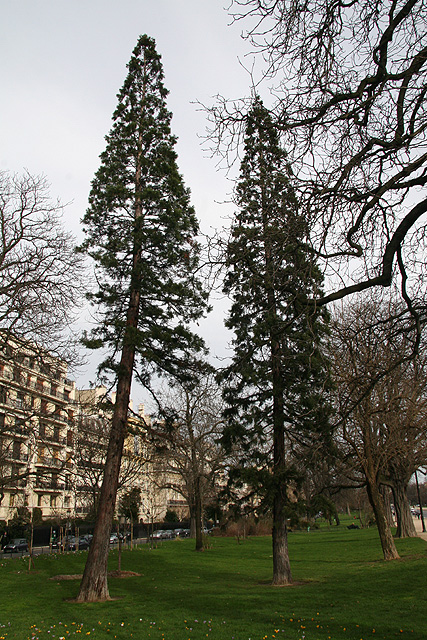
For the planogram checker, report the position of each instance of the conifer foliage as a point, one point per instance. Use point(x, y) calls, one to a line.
point(274, 386)
point(140, 231)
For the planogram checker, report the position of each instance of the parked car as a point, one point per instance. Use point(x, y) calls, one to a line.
point(168, 534)
point(158, 534)
point(114, 538)
point(16, 545)
point(84, 542)
point(69, 543)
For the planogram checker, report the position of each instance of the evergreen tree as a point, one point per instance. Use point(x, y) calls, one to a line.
point(274, 385)
point(140, 231)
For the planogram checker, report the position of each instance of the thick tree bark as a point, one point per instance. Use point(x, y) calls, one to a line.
point(405, 522)
point(386, 538)
point(192, 508)
point(385, 494)
point(281, 565)
point(94, 586)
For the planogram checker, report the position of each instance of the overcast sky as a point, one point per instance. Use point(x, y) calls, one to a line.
point(62, 65)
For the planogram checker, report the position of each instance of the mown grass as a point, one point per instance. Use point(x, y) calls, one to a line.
point(343, 590)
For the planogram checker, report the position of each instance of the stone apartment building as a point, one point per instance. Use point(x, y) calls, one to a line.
point(53, 440)
point(141, 467)
point(36, 431)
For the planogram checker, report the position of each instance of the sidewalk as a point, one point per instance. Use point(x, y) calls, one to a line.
point(419, 527)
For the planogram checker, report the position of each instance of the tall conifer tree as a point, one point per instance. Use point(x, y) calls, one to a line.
point(274, 385)
point(140, 231)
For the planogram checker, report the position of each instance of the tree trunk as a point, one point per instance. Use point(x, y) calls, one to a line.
point(405, 522)
point(196, 498)
point(94, 587)
point(385, 494)
point(386, 539)
point(192, 521)
point(281, 565)
point(198, 514)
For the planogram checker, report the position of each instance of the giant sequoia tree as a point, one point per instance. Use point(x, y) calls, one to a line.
point(275, 383)
point(140, 231)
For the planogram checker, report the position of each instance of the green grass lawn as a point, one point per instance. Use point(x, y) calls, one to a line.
point(343, 590)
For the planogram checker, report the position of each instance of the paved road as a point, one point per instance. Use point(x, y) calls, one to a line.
point(38, 551)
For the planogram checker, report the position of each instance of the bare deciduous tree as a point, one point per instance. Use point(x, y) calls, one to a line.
point(349, 84)
point(381, 405)
point(92, 433)
point(40, 287)
point(40, 273)
point(192, 457)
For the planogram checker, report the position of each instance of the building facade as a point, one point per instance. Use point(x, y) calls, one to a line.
point(36, 432)
point(53, 443)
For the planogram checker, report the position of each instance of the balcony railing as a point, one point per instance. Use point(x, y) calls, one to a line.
point(53, 438)
point(52, 486)
point(42, 388)
point(50, 462)
point(22, 457)
point(13, 483)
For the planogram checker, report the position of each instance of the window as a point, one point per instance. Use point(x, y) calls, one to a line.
point(2, 420)
point(3, 394)
point(19, 425)
point(53, 501)
point(17, 449)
